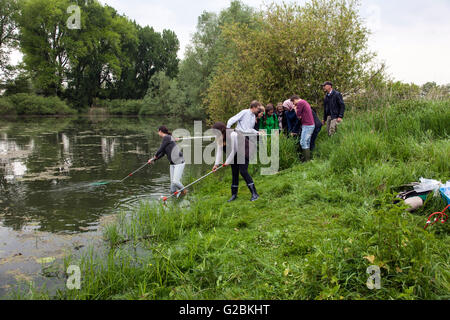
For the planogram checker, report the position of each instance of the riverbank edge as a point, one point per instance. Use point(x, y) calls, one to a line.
point(312, 235)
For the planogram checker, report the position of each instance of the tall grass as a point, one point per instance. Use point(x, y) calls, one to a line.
point(121, 107)
point(312, 235)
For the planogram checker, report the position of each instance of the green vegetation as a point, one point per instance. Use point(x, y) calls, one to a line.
point(318, 226)
point(316, 229)
point(109, 57)
point(134, 70)
point(119, 107)
point(8, 32)
point(299, 53)
point(30, 104)
point(6, 107)
point(207, 49)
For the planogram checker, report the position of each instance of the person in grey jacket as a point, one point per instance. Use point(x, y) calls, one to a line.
point(334, 108)
point(170, 148)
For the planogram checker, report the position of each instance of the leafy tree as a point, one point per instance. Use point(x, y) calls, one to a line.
point(98, 57)
point(9, 10)
point(150, 53)
point(110, 57)
point(207, 48)
point(432, 90)
point(169, 60)
point(163, 97)
point(45, 44)
point(293, 50)
point(20, 84)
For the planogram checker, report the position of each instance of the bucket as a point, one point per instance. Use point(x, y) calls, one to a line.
point(445, 192)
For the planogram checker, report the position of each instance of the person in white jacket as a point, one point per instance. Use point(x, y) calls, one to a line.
point(246, 119)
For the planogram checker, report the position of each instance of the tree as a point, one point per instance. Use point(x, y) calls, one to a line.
point(169, 59)
point(100, 53)
point(19, 84)
point(150, 53)
point(163, 97)
point(9, 10)
point(45, 44)
point(110, 57)
point(293, 49)
point(207, 48)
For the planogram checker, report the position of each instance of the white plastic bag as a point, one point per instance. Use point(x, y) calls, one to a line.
point(427, 185)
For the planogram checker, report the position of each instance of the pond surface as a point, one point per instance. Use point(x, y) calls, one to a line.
point(48, 204)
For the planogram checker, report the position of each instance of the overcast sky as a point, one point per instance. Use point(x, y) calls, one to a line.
point(411, 36)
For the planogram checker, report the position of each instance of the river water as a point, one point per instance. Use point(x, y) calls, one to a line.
point(48, 203)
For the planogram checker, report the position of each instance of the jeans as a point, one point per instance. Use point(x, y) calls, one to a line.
point(176, 173)
point(305, 140)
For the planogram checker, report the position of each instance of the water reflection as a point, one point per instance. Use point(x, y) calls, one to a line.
point(47, 167)
point(108, 149)
point(13, 156)
point(66, 159)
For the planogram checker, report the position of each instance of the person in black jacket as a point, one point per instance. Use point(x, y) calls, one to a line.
point(334, 108)
point(317, 130)
point(170, 148)
point(281, 113)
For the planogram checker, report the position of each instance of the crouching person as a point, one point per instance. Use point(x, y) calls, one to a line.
point(304, 113)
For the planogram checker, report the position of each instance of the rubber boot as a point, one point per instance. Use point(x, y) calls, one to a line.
point(234, 192)
point(255, 195)
point(307, 155)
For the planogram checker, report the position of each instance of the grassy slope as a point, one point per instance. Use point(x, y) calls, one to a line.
point(310, 236)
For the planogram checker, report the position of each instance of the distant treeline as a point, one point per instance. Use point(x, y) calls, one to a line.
point(109, 57)
point(235, 56)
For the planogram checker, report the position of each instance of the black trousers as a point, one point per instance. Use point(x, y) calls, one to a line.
point(314, 136)
point(242, 169)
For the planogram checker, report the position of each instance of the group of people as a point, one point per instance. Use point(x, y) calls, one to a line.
point(294, 117)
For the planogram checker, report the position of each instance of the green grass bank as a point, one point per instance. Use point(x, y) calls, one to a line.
point(312, 235)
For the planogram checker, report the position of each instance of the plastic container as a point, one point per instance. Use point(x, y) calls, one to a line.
point(446, 194)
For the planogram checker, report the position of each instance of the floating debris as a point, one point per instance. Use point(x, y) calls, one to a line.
point(20, 276)
point(137, 152)
point(43, 176)
point(45, 260)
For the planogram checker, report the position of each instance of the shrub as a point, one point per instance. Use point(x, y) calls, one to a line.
point(164, 97)
point(122, 107)
point(30, 104)
point(6, 107)
point(272, 74)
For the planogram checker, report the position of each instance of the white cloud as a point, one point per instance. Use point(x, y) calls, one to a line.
point(411, 36)
point(413, 39)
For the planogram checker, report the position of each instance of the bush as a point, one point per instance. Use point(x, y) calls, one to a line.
point(272, 74)
point(164, 97)
point(6, 108)
point(30, 104)
point(121, 107)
